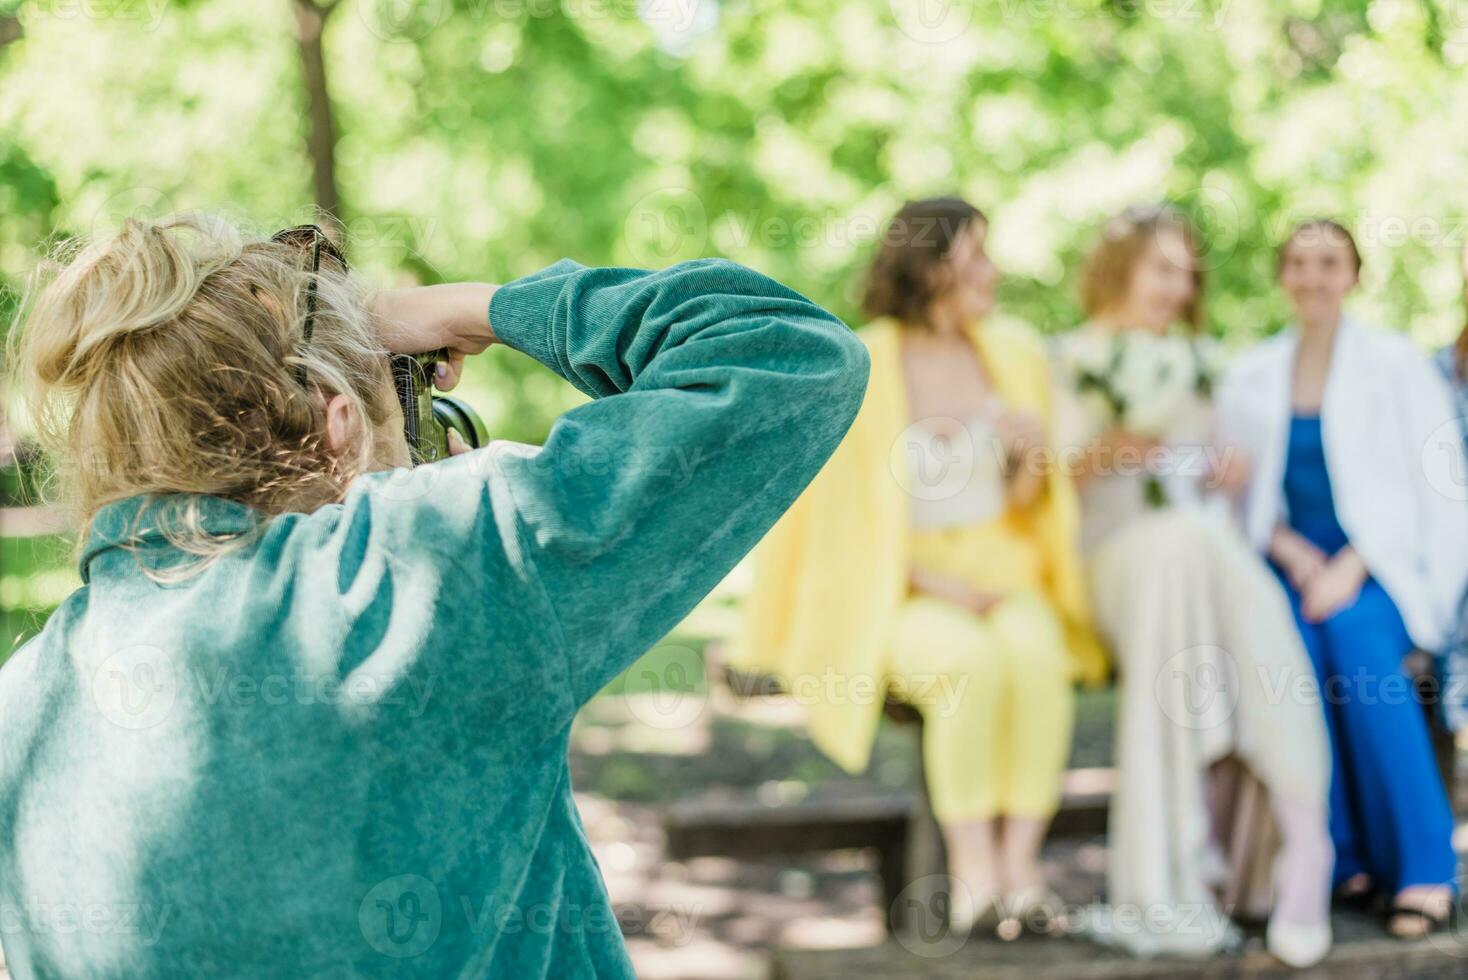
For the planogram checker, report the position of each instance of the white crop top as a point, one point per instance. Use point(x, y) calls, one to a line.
point(953, 472)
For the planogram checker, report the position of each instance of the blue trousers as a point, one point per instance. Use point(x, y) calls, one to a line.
point(1389, 813)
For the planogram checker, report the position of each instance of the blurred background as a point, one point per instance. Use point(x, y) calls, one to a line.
point(483, 139)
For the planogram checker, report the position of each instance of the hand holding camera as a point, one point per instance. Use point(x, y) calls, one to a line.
point(430, 330)
point(453, 317)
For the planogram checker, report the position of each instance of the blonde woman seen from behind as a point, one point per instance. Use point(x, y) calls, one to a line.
point(223, 409)
point(1200, 631)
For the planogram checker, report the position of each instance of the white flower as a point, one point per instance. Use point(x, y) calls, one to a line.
point(1155, 379)
point(1098, 408)
point(1212, 358)
point(1154, 414)
point(1087, 351)
point(1180, 362)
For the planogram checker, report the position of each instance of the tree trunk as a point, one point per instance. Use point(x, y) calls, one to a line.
point(311, 19)
point(10, 29)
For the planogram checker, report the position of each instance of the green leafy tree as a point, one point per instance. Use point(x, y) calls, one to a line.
point(483, 138)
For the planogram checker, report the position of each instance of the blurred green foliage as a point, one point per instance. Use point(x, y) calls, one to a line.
point(35, 575)
point(484, 138)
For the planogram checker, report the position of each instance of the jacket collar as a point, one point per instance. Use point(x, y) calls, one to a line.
point(1345, 334)
point(142, 521)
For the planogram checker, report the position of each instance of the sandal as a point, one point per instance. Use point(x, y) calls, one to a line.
point(1035, 910)
point(1431, 923)
point(1361, 896)
point(966, 916)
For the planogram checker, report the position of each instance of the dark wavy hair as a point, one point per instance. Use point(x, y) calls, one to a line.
point(902, 281)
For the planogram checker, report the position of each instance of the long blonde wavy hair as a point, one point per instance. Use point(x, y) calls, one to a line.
point(167, 359)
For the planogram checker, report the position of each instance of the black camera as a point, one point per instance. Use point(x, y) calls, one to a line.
point(427, 417)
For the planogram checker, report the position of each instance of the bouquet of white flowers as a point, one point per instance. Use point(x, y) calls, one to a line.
point(1157, 387)
point(1137, 381)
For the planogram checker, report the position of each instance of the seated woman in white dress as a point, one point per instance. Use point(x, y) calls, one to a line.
point(1200, 631)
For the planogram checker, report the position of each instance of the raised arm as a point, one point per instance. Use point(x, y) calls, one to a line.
point(719, 395)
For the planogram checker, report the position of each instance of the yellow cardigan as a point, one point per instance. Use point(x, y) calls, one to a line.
point(832, 574)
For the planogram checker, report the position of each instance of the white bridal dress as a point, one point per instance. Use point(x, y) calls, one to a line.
point(1220, 741)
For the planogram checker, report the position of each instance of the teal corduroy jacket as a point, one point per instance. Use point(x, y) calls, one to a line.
point(341, 749)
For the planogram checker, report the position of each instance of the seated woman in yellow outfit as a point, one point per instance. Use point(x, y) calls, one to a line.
point(934, 558)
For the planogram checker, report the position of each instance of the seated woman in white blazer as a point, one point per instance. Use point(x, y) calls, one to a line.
point(1352, 498)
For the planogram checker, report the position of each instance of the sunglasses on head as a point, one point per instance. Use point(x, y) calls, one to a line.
point(427, 418)
point(315, 242)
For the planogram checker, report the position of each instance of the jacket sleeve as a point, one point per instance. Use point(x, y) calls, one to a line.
point(718, 394)
point(1241, 405)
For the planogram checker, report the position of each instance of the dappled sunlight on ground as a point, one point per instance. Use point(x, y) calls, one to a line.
point(635, 750)
point(718, 918)
point(713, 917)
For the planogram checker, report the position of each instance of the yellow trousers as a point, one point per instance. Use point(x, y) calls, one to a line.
point(994, 689)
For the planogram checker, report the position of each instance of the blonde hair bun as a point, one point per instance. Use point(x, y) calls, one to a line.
point(166, 359)
point(143, 277)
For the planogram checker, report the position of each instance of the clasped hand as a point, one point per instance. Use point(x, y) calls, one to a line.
point(1326, 584)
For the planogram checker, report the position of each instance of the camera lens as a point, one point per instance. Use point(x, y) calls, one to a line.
point(458, 415)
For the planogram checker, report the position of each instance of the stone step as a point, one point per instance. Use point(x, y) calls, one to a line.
point(1362, 951)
